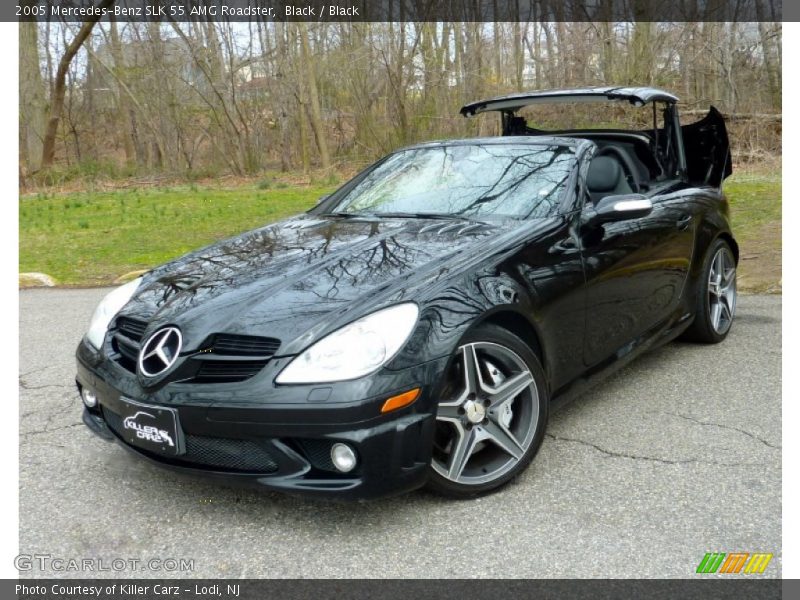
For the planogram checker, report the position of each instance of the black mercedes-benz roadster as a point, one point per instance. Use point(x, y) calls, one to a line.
point(418, 325)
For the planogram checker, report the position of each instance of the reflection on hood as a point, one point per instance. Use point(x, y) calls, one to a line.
point(265, 280)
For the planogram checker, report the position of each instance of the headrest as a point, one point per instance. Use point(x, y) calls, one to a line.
point(604, 174)
point(516, 125)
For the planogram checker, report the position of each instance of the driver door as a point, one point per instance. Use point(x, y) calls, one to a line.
point(635, 272)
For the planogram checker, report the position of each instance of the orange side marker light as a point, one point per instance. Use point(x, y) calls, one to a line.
point(401, 400)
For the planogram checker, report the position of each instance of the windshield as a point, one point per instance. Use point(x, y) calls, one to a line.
point(469, 180)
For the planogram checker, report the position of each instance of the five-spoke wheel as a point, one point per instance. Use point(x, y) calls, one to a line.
point(491, 414)
point(722, 290)
point(715, 302)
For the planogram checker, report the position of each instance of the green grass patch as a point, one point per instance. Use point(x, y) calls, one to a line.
point(755, 200)
point(93, 238)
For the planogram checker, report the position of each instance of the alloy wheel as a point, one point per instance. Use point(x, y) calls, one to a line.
point(488, 414)
point(722, 290)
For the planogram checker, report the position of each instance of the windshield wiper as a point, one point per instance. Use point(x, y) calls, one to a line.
point(344, 215)
point(422, 215)
point(401, 215)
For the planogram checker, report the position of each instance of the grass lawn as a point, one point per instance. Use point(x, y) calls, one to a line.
point(92, 238)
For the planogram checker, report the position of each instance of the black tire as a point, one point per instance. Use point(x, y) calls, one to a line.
point(490, 336)
point(702, 329)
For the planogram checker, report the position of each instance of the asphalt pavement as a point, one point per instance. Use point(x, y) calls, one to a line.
point(676, 455)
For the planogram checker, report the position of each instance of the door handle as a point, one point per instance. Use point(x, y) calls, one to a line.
point(683, 222)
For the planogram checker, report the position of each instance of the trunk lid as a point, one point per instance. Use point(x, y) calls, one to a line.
point(708, 153)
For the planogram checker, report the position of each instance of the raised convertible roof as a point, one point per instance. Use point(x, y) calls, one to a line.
point(638, 96)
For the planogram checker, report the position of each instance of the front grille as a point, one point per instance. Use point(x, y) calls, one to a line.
point(126, 341)
point(227, 371)
point(244, 345)
point(234, 455)
point(126, 348)
point(241, 456)
point(131, 328)
point(252, 354)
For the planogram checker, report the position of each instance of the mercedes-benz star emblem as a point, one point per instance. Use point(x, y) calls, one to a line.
point(160, 351)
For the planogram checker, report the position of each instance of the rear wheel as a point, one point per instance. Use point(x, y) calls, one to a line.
point(491, 416)
point(715, 304)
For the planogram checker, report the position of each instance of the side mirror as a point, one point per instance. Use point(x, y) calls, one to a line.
point(620, 208)
point(322, 198)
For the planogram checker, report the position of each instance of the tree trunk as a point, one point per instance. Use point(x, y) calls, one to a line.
point(497, 49)
point(59, 85)
point(607, 29)
point(769, 64)
point(536, 54)
point(282, 97)
point(32, 105)
point(90, 108)
point(316, 112)
point(641, 51)
point(123, 103)
point(552, 80)
point(519, 56)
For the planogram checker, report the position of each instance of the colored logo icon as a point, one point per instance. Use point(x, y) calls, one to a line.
point(734, 563)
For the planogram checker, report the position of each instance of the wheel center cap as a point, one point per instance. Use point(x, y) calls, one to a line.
point(474, 411)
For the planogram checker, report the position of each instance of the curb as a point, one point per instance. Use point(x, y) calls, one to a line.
point(31, 280)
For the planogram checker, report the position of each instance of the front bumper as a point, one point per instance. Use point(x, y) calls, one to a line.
point(277, 445)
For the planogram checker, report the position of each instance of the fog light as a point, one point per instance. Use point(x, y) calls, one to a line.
point(89, 397)
point(343, 457)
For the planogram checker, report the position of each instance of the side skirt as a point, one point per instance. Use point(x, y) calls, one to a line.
point(651, 340)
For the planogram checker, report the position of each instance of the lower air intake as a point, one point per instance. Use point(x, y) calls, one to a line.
point(236, 455)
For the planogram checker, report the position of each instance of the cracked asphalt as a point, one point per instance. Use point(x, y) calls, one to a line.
point(676, 455)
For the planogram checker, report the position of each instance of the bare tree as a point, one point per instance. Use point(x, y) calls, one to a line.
point(316, 112)
point(57, 96)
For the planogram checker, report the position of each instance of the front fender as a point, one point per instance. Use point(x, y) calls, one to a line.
point(449, 314)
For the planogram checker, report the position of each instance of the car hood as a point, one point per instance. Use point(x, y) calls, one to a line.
point(298, 278)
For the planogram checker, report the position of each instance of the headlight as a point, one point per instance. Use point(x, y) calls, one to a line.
point(356, 349)
point(105, 311)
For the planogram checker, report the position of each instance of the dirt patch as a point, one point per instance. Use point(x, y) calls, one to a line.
point(760, 260)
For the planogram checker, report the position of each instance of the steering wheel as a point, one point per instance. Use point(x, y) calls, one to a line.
point(627, 165)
